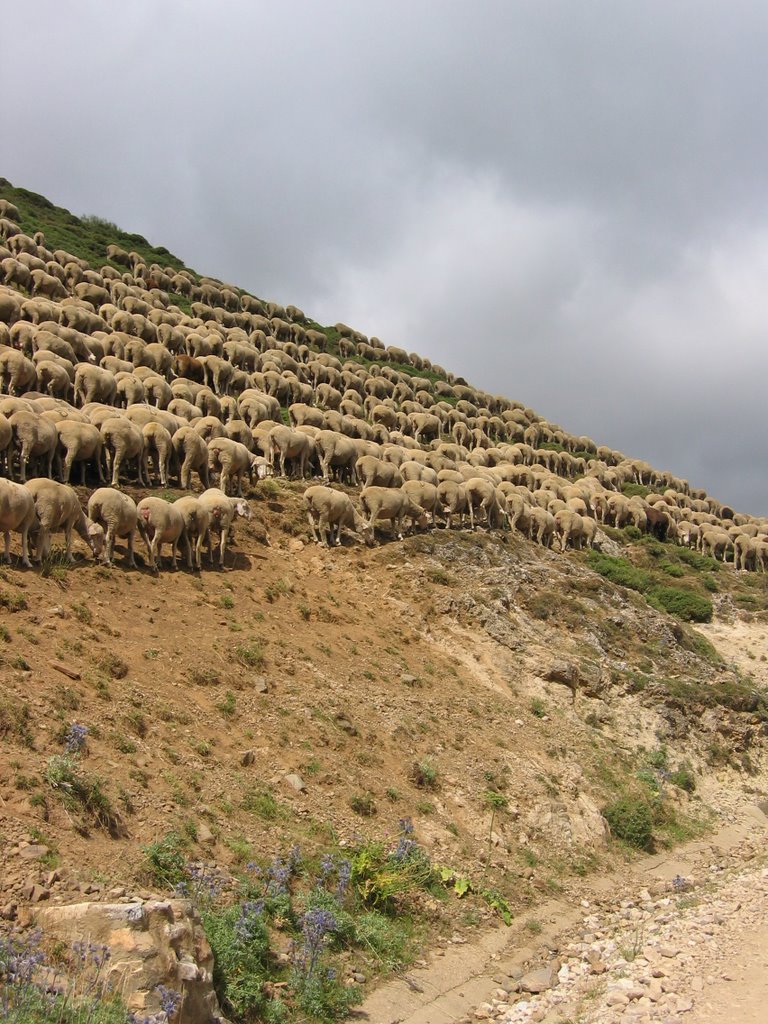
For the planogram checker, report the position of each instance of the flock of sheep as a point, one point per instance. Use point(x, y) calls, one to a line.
point(103, 374)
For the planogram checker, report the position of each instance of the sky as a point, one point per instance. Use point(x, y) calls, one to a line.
point(564, 202)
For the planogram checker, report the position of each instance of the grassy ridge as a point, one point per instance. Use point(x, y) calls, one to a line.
point(86, 237)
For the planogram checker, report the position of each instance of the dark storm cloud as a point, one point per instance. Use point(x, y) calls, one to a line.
point(564, 202)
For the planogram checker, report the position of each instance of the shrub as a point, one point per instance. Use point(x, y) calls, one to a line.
point(249, 655)
point(630, 818)
point(424, 775)
point(363, 804)
point(619, 570)
point(165, 861)
point(239, 939)
point(261, 803)
point(15, 720)
point(683, 778)
point(684, 604)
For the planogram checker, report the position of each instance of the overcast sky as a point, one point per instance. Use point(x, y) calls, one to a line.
point(564, 202)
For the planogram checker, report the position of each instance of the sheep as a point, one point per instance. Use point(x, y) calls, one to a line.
point(289, 444)
point(57, 508)
point(392, 504)
point(94, 384)
point(17, 373)
point(197, 520)
point(192, 453)
point(52, 378)
point(335, 451)
point(158, 446)
point(35, 437)
point(375, 472)
point(230, 459)
point(81, 442)
point(222, 511)
point(569, 526)
point(328, 511)
point(116, 512)
point(122, 440)
point(481, 494)
point(17, 513)
point(160, 522)
point(424, 495)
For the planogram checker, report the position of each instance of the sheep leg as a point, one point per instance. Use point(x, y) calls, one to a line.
point(131, 560)
point(311, 521)
point(223, 545)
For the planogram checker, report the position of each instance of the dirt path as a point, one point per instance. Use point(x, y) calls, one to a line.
point(680, 936)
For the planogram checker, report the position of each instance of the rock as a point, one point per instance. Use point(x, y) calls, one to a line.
point(8, 912)
point(247, 758)
point(540, 980)
point(34, 893)
point(33, 851)
point(260, 684)
point(345, 724)
point(668, 951)
point(151, 943)
point(295, 782)
point(408, 679)
point(204, 834)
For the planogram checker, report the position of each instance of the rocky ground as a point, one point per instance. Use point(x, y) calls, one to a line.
point(682, 936)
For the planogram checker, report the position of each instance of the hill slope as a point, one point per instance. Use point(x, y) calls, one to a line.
point(496, 692)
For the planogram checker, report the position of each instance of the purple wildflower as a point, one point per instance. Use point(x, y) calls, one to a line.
point(75, 739)
point(170, 1000)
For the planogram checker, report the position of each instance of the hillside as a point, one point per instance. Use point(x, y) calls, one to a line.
point(496, 692)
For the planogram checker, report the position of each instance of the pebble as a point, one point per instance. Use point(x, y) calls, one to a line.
point(604, 975)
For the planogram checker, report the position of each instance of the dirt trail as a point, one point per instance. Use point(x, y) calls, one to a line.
point(678, 936)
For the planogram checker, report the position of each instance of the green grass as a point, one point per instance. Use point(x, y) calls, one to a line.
point(86, 236)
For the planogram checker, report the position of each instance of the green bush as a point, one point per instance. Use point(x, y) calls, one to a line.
point(240, 943)
point(619, 570)
point(684, 604)
point(165, 860)
point(683, 778)
point(631, 819)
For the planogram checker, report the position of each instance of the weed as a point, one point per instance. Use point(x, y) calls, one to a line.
point(363, 804)
point(631, 819)
point(424, 775)
point(16, 721)
point(203, 676)
point(82, 613)
point(80, 792)
point(227, 601)
point(538, 708)
point(13, 602)
point(165, 861)
point(534, 926)
point(249, 655)
point(684, 604)
point(113, 666)
point(261, 802)
point(228, 705)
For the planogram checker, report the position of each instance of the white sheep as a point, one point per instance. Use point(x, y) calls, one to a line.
point(197, 520)
point(117, 512)
point(17, 514)
point(328, 510)
point(161, 523)
point(222, 510)
point(58, 508)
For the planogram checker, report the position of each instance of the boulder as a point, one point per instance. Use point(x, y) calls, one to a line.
point(151, 943)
